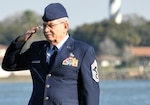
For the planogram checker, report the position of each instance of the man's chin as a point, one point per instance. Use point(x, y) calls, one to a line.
point(53, 42)
point(50, 38)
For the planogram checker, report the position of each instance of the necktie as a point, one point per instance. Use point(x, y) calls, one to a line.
point(53, 56)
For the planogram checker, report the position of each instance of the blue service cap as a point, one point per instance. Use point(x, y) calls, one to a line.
point(54, 11)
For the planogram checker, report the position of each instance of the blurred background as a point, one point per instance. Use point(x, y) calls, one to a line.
point(119, 30)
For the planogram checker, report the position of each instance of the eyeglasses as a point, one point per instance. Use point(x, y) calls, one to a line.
point(50, 25)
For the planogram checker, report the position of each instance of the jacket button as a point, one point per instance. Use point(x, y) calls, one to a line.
point(47, 86)
point(46, 98)
point(49, 75)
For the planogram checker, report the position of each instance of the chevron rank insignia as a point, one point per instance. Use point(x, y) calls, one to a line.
point(94, 69)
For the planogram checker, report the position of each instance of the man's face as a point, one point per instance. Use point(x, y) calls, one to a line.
point(55, 31)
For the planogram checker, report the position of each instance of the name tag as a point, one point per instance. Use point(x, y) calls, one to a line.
point(36, 61)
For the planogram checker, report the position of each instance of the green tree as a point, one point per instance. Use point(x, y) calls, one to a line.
point(12, 27)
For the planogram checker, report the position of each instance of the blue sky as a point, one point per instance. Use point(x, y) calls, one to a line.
point(79, 11)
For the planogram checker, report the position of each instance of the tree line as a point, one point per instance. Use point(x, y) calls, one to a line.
point(105, 36)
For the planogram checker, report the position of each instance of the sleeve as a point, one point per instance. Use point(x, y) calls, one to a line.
point(13, 60)
point(90, 78)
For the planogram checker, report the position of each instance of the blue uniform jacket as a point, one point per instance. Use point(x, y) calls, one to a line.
point(73, 79)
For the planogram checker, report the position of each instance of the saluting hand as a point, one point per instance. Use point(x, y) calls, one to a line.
point(28, 34)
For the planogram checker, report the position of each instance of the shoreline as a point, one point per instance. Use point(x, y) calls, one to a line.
point(126, 74)
point(16, 79)
point(103, 76)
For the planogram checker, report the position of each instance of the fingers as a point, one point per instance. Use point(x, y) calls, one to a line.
point(33, 30)
point(28, 33)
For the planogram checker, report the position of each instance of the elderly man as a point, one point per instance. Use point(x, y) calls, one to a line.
point(64, 70)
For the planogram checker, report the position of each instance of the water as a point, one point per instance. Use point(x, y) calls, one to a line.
point(112, 93)
point(125, 93)
point(15, 93)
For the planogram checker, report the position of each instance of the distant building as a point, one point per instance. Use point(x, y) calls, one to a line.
point(109, 60)
point(2, 51)
point(5, 74)
point(142, 53)
point(139, 55)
